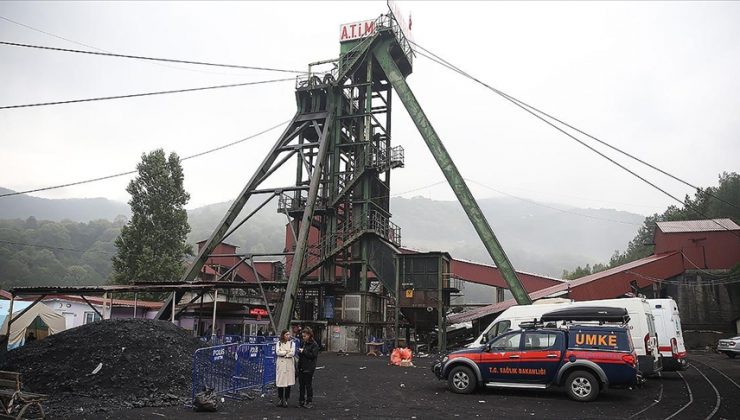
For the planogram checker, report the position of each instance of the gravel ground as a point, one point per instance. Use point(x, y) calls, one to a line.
point(365, 387)
point(356, 386)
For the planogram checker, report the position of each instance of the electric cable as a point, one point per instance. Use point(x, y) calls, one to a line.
point(141, 57)
point(729, 279)
point(449, 65)
point(551, 207)
point(509, 195)
point(82, 44)
point(87, 181)
point(136, 95)
point(526, 108)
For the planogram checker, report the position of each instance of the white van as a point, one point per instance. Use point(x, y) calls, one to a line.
point(641, 324)
point(670, 337)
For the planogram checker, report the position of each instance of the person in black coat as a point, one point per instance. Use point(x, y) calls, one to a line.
point(307, 356)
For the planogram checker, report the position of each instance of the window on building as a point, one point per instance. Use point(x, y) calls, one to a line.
point(91, 317)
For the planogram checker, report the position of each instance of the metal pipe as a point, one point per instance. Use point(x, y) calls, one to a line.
point(264, 297)
point(238, 225)
point(450, 171)
point(213, 320)
point(247, 256)
point(174, 301)
point(10, 320)
point(92, 307)
point(237, 206)
point(136, 300)
point(200, 313)
point(38, 299)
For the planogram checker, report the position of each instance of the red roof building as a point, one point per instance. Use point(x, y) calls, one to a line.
point(679, 247)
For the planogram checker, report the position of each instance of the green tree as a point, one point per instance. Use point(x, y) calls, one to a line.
point(152, 245)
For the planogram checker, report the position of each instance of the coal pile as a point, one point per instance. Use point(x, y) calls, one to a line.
point(108, 365)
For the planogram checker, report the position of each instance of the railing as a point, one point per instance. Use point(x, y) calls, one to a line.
point(398, 155)
point(383, 22)
point(288, 203)
point(231, 368)
point(384, 227)
point(329, 244)
point(386, 21)
point(314, 80)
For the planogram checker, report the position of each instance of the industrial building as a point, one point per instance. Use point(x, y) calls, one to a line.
point(692, 263)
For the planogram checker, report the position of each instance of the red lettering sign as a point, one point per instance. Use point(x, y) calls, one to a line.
point(258, 312)
point(356, 30)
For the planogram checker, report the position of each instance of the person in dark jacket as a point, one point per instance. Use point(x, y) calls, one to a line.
point(307, 356)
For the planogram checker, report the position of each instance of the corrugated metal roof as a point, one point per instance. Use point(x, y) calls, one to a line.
point(553, 290)
point(100, 301)
point(707, 225)
point(152, 287)
point(463, 260)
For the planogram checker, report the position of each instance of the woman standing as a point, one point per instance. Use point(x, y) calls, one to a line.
point(284, 368)
point(306, 367)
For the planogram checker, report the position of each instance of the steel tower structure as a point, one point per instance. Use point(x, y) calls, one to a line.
point(338, 207)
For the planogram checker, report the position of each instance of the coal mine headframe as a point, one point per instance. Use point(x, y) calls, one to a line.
point(339, 220)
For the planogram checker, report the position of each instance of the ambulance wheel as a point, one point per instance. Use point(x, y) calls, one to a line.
point(462, 380)
point(582, 386)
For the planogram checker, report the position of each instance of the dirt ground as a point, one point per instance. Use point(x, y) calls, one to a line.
point(366, 387)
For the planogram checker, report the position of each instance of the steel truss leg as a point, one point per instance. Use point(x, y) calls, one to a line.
point(450, 171)
point(294, 128)
point(286, 309)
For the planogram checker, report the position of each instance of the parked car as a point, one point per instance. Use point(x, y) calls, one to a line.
point(584, 359)
point(641, 326)
point(729, 346)
point(670, 337)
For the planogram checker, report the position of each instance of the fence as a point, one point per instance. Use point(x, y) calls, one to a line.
point(232, 368)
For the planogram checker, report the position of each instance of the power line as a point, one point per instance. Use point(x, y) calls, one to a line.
point(509, 195)
point(57, 248)
point(730, 279)
point(50, 34)
point(447, 64)
point(82, 44)
point(87, 181)
point(551, 207)
point(136, 95)
point(140, 57)
point(531, 110)
point(424, 187)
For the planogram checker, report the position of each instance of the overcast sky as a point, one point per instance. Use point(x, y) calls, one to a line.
point(659, 80)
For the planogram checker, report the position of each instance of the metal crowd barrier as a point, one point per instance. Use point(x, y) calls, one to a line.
point(231, 368)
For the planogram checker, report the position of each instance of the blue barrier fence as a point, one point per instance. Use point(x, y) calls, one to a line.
point(231, 368)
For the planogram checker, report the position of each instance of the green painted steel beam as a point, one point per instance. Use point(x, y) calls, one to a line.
point(238, 204)
point(382, 53)
point(291, 290)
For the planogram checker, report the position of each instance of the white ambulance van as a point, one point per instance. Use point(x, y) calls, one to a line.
point(670, 337)
point(641, 325)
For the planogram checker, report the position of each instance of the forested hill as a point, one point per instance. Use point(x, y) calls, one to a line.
point(76, 209)
point(537, 238)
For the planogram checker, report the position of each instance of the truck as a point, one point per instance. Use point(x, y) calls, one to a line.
point(583, 358)
point(641, 325)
